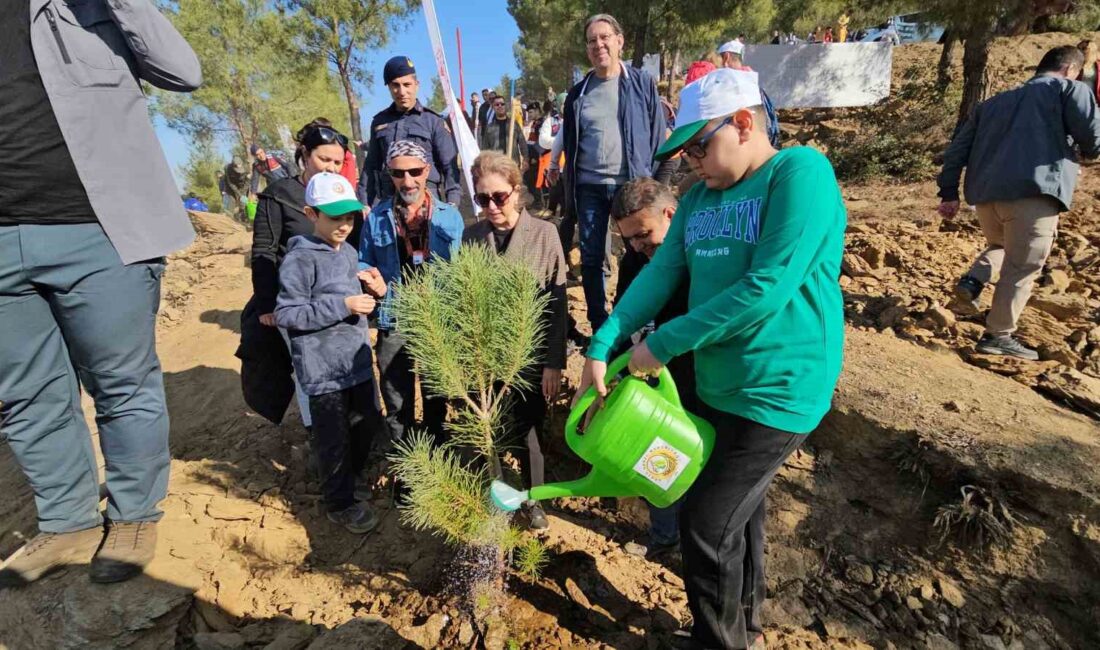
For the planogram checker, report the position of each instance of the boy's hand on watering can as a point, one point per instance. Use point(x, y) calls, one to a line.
point(642, 360)
point(594, 374)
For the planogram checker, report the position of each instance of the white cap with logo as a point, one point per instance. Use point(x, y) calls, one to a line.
point(332, 194)
point(733, 47)
point(719, 93)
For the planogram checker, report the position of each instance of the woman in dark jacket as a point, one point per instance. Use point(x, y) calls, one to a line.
point(265, 372)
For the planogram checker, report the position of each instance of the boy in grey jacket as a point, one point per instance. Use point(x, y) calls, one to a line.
point(322, 306)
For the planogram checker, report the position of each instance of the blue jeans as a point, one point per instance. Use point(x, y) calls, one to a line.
point(593, 212)
point(664, 524)
point(72, 314)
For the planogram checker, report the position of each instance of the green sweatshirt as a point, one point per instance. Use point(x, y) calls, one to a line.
point(765, 314)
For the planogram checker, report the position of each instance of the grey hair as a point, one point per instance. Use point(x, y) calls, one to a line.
point(604, 18)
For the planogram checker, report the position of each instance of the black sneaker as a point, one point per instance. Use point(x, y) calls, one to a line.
point(1006, 346)
point(359, 518)
point(968, 291)
point(536, 517)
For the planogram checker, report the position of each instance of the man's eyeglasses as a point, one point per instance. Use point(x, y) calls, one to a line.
point(324, 135)
point(500, 198)
point(698, 149)
point(415, 172)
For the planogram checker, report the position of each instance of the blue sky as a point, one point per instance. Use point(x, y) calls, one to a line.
point(488, 32)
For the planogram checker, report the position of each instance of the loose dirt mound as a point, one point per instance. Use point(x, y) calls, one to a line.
point(247, 559)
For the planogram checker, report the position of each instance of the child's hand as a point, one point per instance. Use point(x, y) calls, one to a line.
point(361, 305)
point(372, 280)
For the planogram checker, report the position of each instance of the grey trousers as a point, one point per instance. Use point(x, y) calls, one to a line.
point(72, 314)
point(1020, 235)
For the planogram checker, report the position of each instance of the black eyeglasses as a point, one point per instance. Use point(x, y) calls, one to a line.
point(324, 135)
point(415, 172)
point(500, 198)
point(698, 149)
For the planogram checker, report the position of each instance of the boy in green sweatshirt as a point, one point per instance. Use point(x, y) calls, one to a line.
point(759, 241)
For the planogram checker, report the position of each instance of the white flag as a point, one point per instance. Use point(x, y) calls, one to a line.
point(467, 145)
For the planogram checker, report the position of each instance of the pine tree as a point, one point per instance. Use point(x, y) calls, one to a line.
point(472, 325)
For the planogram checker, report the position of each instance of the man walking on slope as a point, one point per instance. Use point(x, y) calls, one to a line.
point(759, 242)
point(1021, 171)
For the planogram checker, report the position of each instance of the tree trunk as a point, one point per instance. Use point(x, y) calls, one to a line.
point(975, 74)
point(947, 55)
point(353, 103)
point(640, 36)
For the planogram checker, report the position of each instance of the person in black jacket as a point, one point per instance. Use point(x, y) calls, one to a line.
point(280, 215)
point(642, 211)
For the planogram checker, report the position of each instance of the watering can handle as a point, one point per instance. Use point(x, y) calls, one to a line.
point(665, 386)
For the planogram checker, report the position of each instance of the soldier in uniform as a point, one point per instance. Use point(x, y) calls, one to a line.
point(407, 119)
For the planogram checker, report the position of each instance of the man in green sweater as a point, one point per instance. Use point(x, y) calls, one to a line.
point(759, 240)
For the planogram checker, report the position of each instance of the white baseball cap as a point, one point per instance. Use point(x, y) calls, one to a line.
point(733, 47)
point(719, 93)
point(332, 194)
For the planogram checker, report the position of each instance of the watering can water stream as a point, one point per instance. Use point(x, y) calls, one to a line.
point(640, 443)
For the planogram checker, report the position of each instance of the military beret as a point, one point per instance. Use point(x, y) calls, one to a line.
point(398, 66)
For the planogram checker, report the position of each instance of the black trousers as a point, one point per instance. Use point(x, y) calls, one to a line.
point(526, 413)
point(722, 530)
point(344, 423)
point(399, 390)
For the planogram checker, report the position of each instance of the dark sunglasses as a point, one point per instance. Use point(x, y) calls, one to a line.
point(415, 172)
point(323, 135)
point(500, 198)
point(698, 149)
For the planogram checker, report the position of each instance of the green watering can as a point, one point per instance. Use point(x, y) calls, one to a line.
point(641, 443)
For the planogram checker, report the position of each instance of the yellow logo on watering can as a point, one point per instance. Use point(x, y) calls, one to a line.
point(661, 463)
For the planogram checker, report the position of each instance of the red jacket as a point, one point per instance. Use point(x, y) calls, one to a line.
point(350, 170)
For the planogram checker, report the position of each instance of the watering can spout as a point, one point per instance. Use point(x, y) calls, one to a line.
point(595, 484)
point(506, 497)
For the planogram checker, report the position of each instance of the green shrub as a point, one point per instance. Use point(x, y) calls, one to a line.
point(865, 157)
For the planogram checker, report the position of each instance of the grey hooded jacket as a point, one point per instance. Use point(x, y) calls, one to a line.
point(328, 344)
point(91, 54)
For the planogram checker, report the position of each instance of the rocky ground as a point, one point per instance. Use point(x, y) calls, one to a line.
point(872, 526)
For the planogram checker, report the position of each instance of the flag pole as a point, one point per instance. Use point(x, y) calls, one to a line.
point(461, 78)
point(511, 116)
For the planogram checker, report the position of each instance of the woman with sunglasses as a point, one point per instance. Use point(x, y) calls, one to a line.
point(280, 215)
point(512, 232)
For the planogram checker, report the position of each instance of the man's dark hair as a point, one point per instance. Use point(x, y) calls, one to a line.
point(1059, 58)
point(641, 194)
